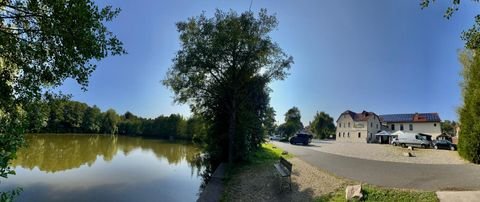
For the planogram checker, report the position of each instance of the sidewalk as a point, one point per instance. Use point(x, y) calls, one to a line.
point(458, 196)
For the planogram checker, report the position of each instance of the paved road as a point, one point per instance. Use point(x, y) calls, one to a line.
point(391, 174)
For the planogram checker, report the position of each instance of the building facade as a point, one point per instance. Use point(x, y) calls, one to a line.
point(357, 127)
point(426, 123)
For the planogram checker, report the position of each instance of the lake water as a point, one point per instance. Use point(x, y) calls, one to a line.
point(105, 168)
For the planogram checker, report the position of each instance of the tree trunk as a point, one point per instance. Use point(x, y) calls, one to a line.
point(231, 132)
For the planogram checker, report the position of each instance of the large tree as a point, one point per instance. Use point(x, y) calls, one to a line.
point(292, 122)
point(269, 121)
point(322, 125)
point(222, 71)
point(42, 43)
point(448, 127)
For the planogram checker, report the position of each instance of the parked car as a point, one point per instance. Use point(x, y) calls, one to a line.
point(444, 144)
point(411, 139)
point(302, 138)
point(275, 137)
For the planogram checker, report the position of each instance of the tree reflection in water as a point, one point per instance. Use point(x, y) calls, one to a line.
point(52, 153)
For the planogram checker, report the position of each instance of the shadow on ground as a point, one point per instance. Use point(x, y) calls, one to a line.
point(260, 183)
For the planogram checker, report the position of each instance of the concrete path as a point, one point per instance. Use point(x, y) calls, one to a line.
point(391, 174)
point(214, 189)
point(458, 196)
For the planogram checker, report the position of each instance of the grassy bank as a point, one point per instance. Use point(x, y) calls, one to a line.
point(268, 153)
point(374, 193)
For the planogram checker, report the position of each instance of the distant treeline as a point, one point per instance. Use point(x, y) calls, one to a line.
point(58, 114)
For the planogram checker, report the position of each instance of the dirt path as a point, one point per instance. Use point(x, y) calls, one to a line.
point(259, 183)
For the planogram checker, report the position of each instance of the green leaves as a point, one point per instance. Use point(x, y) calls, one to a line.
point(222, 71)
point(471, 36)
point(292, 123)
point(469, 137)
point(322, 125)
point(44, 42)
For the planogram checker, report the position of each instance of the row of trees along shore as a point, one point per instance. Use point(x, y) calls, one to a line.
point(58, 114)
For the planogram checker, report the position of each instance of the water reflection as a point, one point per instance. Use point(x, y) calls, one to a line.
point(52, 153)
point(107, 168)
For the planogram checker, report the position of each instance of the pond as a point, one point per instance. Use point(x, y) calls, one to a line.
point(105, 168)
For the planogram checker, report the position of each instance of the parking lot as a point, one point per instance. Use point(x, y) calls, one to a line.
point(383, 152)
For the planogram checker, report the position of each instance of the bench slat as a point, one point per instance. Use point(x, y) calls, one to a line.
point(281, 170)
point(286, 164)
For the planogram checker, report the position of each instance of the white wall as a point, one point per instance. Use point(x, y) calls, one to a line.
point(430, 128)
point(365, 128)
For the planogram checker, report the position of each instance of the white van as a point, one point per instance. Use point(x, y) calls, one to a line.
point(411, 139)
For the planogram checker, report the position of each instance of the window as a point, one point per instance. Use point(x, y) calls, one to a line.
point(349, 124)
point(377, 125)
point(339, 135)
point(359, 135)
point(340, 125)
point(348, 134)
point(434, 125)
point(410, 126)
point(343, 134)
point(371, 124)
point(393, 126)
point(401, 126)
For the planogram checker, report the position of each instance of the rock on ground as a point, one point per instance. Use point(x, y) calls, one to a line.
point(353, 192)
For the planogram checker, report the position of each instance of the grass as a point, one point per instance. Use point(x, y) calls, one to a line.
point(267, 153)
point(373, 193)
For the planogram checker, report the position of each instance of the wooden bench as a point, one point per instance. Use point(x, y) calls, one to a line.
point(284, 168)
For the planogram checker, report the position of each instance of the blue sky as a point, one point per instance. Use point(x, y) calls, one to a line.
point(381, 56)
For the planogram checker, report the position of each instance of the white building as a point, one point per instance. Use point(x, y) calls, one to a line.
point(357, 127)
point(426, 123)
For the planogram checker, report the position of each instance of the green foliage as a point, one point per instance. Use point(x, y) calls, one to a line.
point(469, 137)
point(292, 123)
point(266, 153)
point(91, 120)
point(110, 121)
point(322, 125)
point(448, 127)
point(61, 115)
point(222, 71)
point(43, 43)
point(472, 35)
point(269, 121)
point(469, 140)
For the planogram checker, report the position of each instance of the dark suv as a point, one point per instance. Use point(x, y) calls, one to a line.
point(305, 139)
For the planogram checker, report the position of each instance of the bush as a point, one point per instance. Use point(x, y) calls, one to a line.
point(469, 138)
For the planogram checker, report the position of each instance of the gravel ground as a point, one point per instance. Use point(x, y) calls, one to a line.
point(381, 152)
point(260, 183)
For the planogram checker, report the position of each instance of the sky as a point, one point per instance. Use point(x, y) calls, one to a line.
point(380, 56)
